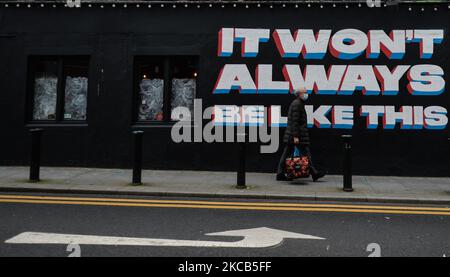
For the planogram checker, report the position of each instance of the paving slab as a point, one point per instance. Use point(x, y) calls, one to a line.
point(393, 189)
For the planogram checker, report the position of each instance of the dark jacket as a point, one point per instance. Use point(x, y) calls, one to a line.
point(297, 123)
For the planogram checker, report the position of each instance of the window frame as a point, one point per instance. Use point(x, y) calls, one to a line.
point(32, 61)
point(167, 61)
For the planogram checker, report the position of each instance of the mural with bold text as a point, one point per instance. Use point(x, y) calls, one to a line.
point(343, 80)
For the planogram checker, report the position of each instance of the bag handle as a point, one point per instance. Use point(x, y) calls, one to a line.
point(297, 152)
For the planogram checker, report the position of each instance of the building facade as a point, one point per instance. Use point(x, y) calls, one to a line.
point(91, 75)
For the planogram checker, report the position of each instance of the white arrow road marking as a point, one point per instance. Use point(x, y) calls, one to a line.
point(253, 238)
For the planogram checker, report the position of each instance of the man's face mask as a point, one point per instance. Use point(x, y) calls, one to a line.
point(304, 96)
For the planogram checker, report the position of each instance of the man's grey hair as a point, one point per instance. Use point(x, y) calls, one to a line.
point(300, 90)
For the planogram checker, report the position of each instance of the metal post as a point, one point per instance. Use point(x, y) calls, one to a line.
point(137, 157)
point(241, 164)
point(35, 161)
point(347, 163)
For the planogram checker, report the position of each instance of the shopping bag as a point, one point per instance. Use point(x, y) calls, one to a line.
point(297, 165)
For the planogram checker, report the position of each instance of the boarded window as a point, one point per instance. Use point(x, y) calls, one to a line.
point(45, 90)
point(184, 73)
point(151, 93)
point(164, 84)
point(59, 88)
point(151, 90)
point(75, 91)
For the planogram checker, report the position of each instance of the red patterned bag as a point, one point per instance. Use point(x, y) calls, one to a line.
point(297, 165)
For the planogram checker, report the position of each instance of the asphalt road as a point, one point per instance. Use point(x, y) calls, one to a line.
point(355, 230)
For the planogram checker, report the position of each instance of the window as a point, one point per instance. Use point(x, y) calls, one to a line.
point(184, 75)
point(45, 90)
point(59, 88)
point(151, 90)
point(164, 84)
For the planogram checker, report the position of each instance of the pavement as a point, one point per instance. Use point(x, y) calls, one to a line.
point(384, 189)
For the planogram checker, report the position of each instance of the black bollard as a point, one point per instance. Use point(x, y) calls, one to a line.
point(241, 164)
point(35, 161)
point(137, 157)
point(347, 163)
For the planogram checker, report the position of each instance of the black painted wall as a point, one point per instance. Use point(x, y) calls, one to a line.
point(113, 36)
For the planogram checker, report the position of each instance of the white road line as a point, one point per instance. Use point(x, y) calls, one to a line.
point(253, 238)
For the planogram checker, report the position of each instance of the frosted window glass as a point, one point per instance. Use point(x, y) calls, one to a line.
point(75, 98)
point(45, 94)
point(151, 93)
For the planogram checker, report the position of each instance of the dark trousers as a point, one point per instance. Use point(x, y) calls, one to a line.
point(288, 150)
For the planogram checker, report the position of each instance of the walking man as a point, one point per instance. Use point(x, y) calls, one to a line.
point(297, 133)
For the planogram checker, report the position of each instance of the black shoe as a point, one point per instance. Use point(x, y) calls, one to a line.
point(317, 176)
point(282, 177)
